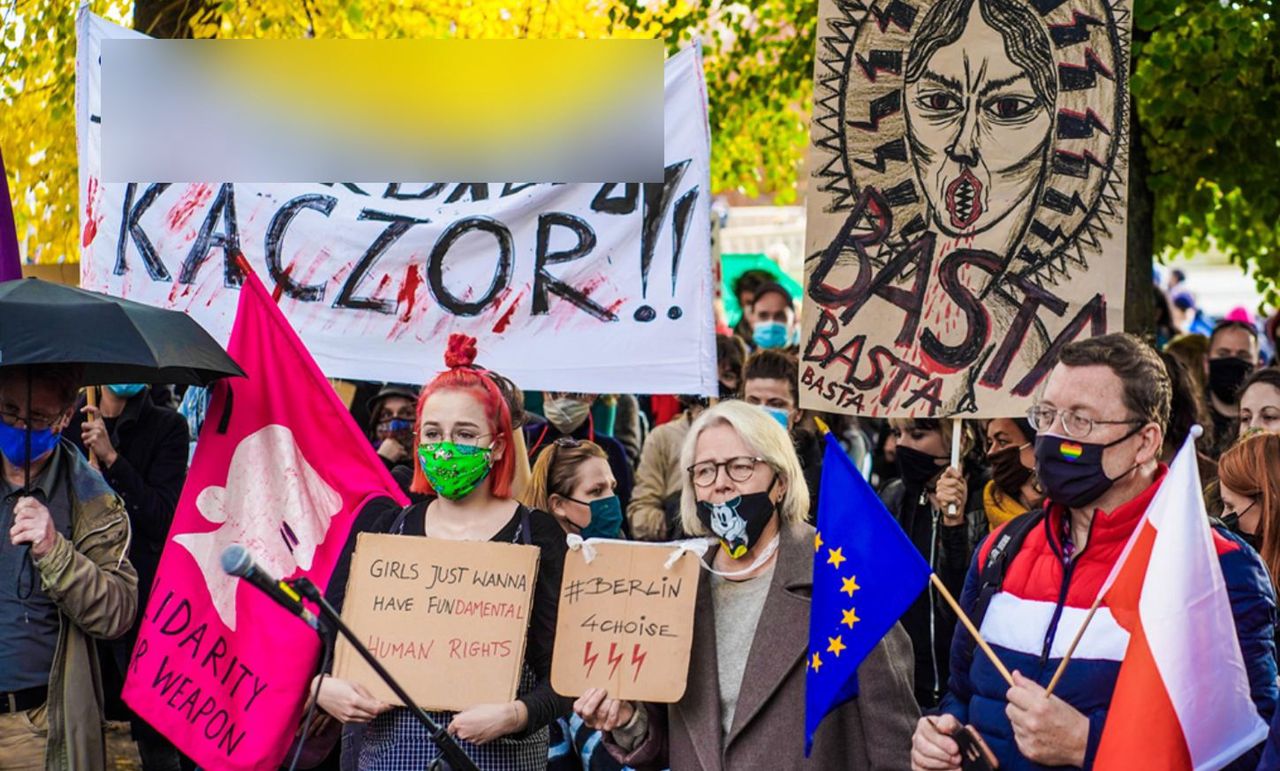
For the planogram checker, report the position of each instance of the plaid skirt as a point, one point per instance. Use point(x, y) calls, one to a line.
point(396, 741)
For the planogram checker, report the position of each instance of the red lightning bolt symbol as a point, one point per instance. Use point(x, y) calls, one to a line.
point(637, 661)
point(588, 660)
point(612, 660)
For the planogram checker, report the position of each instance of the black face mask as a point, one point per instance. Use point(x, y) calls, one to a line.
point(1071, 472)
point(1232, 521)
point(916, 468)
point(1226, 375)
point(727, 391)
point(1008, 472)
point(738, 522)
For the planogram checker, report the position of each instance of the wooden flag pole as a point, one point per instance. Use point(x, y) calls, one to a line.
point(956, 429)
point(1062, 665)
point(964, 619)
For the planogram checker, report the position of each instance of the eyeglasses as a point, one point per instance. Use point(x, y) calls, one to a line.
point(1075, 425)
point(568, 442)
point(37, 421)
point(457, 436)
point(739, 469)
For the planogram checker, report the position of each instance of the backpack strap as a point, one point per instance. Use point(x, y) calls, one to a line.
point(993, 571)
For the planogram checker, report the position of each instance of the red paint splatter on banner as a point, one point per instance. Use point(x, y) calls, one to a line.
point(505, 321)
point(279, 290)
point(92, 218)
point(409, 291)
point(617, 304)
point(197, 195)
point(593, 284)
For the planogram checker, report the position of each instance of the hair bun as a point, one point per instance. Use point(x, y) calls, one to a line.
point(461, 351)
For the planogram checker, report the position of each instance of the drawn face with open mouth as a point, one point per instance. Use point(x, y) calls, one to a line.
point(978, 129)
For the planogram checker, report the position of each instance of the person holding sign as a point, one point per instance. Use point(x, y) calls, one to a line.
point(743, 707)
point(466, 467)
point(940, 509)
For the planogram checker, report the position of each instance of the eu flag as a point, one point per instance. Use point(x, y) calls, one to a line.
point(866, 573)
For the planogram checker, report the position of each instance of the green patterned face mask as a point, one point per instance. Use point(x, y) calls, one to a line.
point(454, 470)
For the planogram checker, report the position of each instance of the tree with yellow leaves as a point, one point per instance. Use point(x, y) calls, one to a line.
point(757, 59)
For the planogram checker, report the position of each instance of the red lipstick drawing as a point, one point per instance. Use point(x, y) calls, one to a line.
point(964, 200)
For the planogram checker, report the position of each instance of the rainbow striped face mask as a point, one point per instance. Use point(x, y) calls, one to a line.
point(1071, 472)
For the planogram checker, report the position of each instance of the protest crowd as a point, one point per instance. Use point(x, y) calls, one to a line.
point(1024, 530)
point(923, 504)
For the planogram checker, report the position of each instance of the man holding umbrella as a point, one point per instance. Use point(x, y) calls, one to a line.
point(64, 576)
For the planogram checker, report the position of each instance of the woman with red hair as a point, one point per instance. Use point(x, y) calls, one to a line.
point(466, 461)
point(1249, 483)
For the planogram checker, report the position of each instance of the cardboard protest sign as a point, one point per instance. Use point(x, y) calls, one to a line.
point(600, 279)
point(625, 621)
point(969, 216)
point(448, 619)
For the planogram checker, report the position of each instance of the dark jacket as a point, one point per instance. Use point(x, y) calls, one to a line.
point(1271, 755)
point(539, 434)
point(872, 731)
point(151, 467)
point(930, 622)
point(809, 449)
point(1044, 598)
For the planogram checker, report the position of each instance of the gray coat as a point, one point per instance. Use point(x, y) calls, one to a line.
point(873, 731)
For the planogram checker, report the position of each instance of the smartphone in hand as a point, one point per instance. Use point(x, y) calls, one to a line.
point(975, 755)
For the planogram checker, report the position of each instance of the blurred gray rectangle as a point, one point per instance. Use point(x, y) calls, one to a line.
point(363, 110)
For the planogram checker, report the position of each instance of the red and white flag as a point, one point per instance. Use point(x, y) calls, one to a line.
point(1182, 697)
point(281, 469)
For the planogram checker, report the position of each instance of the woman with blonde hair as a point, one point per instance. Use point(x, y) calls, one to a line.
point(743, 707)
point(571, 481)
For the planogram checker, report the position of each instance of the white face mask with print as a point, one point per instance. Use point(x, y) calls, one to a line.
point(566, 414)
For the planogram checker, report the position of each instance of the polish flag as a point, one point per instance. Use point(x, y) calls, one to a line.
point(1182, 697)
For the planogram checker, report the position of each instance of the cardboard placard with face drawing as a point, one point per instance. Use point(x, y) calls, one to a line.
point(968, 221)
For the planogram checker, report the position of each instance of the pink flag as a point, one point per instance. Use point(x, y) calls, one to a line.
point(282, 469)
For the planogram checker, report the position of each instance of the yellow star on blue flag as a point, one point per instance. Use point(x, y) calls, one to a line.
point(864, 579)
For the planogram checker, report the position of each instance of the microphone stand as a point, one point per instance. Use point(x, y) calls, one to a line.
point(450, 752)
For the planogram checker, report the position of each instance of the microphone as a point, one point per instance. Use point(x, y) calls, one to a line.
point(236, 561)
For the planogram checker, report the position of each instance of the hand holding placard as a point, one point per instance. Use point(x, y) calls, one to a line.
point(448, 619)
point(625, 620)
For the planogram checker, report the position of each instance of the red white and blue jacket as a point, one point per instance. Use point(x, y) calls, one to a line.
point(1045, 597)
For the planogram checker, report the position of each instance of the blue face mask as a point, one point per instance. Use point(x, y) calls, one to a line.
point(13, 443)
point(606, 517)
point(782, 416)
point(126, 390)
point(770, 334)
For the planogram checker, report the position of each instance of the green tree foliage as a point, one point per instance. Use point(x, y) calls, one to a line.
point(1207, 83)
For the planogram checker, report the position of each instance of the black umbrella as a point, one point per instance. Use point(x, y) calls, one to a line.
point(117, 341)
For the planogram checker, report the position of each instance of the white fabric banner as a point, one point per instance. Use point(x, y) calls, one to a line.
point(598, 288)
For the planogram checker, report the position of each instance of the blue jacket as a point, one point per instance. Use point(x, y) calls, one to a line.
point(1044, 598)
